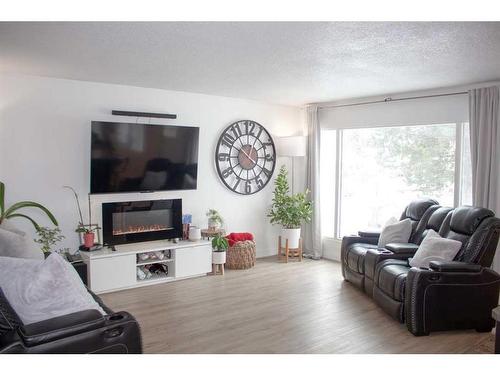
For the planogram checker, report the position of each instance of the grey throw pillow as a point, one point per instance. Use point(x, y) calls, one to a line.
point(41, 290)
point(398, 232)
point(15, 243)
point(435, 247)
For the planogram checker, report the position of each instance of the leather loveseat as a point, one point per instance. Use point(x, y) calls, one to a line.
point(77, 333)
point(447, 295)
point(354, 248)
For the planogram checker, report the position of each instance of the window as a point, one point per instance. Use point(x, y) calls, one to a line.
point(379, 170)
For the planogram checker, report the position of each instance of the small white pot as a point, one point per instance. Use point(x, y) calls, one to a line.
point(218, 257)
point(293, 236)
point(194, 234)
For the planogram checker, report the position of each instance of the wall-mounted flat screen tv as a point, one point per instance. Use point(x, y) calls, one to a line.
point(130, 157)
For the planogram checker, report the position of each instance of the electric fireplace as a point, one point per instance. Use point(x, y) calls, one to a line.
point(139, 221)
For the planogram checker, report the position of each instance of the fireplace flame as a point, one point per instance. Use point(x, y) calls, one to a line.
point(140, 229)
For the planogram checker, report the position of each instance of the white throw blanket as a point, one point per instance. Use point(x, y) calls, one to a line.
point(39, 290)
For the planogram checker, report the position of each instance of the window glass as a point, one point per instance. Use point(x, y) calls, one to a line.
point(383, 169)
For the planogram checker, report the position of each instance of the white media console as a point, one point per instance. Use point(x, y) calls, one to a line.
point(110, 270)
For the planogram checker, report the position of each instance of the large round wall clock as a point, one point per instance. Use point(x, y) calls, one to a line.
point(245, 157)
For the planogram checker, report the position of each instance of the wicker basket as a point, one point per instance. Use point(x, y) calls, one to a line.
point(241, 255)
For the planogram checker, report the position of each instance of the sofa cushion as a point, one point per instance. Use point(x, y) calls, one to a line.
point(466, 219)
point(390, 277)
point(399, 232)
point(356, 256)
point(41, 290)
point(416, 209)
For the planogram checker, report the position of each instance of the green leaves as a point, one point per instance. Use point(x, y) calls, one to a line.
point(11, 212)
point(220, 243)
point(289, 210)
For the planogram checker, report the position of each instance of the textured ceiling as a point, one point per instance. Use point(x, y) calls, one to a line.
point(289, 63)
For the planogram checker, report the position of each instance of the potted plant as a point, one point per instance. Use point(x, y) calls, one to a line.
point(87, 230)
point(215, 220)
point(289, 211)
point(219, 246)
point(12, 211)
point(48, 238)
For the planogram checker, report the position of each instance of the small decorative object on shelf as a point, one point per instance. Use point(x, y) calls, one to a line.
point(215, 219)
point(194, 233)
point(289, 210)
point(86, 231)
point(186, 222)
point(48, 238)
point(219, 247)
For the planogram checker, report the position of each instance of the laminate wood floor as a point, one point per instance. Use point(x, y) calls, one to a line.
point(274, 308)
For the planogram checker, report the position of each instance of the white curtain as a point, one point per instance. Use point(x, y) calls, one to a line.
point(312, 235)
point(485, 150)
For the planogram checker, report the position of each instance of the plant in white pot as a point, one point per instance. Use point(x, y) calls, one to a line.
point(215, 219)
point(289, 211)
point(219, 246)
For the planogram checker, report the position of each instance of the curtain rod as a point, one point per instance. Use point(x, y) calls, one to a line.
point(389, 100)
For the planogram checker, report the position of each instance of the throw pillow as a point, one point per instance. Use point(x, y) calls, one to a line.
point(398, 232)
point(40, 290)
point(435, 247)
point(17, 244)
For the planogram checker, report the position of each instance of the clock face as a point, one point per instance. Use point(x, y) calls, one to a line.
point(245, 157)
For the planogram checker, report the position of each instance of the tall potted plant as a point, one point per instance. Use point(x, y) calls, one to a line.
point(13, 211)
point(289, 211)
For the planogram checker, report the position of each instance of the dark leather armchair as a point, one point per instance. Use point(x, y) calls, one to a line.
point(354, 248)
point(447, 295)
point(77, 333)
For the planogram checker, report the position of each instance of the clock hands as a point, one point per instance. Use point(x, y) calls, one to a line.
point(248, 156)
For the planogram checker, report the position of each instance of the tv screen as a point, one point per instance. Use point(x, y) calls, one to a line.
point(130, 157)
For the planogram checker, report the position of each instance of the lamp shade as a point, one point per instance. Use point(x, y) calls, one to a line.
point(291, 146)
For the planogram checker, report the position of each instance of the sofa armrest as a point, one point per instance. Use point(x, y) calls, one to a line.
point(369, 233)
point(61, 327)
point(441, 266)
point(402, 248)
point(442, 300)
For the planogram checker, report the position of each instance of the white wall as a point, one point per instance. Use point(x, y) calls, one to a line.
point(45, 144)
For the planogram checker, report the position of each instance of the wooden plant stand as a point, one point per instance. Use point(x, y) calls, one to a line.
point(217, 269)
point(288, 252)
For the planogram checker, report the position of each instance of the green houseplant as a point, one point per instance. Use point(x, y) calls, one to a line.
point(13, 211)
point(289, 211)
point(215, 219)
point(48, 238)
point(87, 230)
point(219, 246)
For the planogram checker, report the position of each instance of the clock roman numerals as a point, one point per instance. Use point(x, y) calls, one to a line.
point(245, 157)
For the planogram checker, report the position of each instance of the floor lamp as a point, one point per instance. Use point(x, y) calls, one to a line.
point(292, 147)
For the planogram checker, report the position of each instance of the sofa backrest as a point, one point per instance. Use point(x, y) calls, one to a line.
point(478, 229)
point(415, 211)
point(432, 219)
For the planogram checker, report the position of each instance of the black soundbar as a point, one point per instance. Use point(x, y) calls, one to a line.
point(143, 114)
